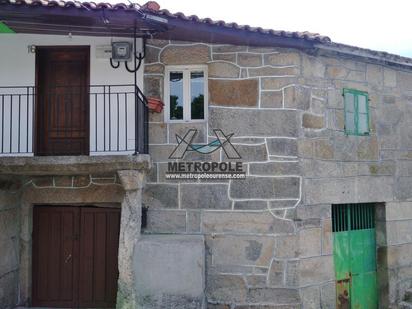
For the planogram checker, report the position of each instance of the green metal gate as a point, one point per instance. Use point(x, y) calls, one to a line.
point(354, 250)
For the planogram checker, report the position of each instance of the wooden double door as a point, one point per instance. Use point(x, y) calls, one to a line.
point(75, 253)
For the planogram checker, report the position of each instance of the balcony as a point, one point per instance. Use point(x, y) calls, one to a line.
point(73, 120)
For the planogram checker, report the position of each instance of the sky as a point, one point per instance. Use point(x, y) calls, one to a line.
point(375, 24)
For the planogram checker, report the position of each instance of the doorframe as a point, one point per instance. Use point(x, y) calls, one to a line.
point(52, 197)
point(36, 84)
point(382, 270)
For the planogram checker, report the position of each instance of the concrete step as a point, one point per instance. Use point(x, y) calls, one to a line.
point(408, 295)
point(405, 305)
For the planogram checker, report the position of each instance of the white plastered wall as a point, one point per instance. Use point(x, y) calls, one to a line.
point(17, 68)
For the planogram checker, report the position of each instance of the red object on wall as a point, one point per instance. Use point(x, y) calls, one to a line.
point(155, 105)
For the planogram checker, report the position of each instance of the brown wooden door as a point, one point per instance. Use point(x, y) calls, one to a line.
point(75, 256)
point(62, 100)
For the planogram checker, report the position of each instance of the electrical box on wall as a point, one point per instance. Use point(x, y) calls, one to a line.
point(121, 51)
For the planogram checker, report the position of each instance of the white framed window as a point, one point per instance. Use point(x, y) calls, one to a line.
point(186, 93)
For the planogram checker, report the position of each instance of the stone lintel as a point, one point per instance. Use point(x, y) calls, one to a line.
point(72, 165)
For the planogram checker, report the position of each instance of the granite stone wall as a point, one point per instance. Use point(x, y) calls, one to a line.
point(9, 243)
point(269, 237)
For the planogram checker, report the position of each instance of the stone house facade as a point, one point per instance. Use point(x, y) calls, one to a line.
point(269, 238)
point(266, 241)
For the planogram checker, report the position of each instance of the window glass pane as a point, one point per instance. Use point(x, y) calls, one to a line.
point(197, 95)
point(350, 122)
point(362, 107)
point(349, 102)
point(176, 95)
point(363, 126)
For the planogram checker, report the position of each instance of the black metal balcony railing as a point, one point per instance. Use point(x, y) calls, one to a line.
point(115, 117)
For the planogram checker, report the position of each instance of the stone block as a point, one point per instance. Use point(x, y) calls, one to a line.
point(358, 76)
point(321, 211)
point(9, 224)
point(63, 181)
point(389, 77)
point(218, 306)
point(274, 168)
point(336, 72)
point(398, 211)
point(157, 43)
point(273, 295)
point(43, 181)
point(282, 147)
point(399, 232)
point(319, 169)
point(348, 190)
point(323, 149)
point(327, 237)
point(389, 99)
point(231, 57)
point(9, 259)
point(188, 54)
point(226, 288)
point(160, 196)
point(277, 83)
point(311, 298)
point(276, 276)
point(251, 153)
point(374, 75)
point(193, 221)
point(223, 70)
point(336, 119)
point(374, 188)
point(228, 48)
point(161, 153)
point(316, 270)
point(152, 54)
point(244, 222)
point(271, 99)
point(283, 204)
point(154, 68)
point(312, 66)
point(282, 59)
point(265, 188)
point(368, 149)
point(182, 128)
point(9, 289)
point(311, 121)
point(287, 246)
point(250, 205)
point(253, 122)
point(297, 97)
point(170, 270)
point(328, 295)
point(242, 250)
point(157, 133)
point(8, 199)
point(256, 280)
point(310, 241)
point(249, 60)
point(273, 71)
point(291, 273)
point(204, 196)
point(166, 221)
point(234, 92)
point(153, 86)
